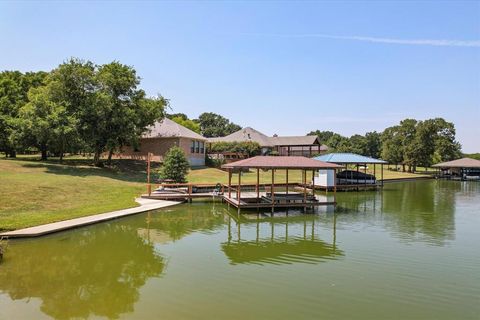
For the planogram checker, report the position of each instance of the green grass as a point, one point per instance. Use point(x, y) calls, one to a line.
point(34, 192)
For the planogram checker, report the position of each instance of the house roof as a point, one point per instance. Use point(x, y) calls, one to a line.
point(294, 140)
point(250, 134)
point(281, 162)
point(459, 163)
point(167, 128)
point(348, 158)
point(243, 135)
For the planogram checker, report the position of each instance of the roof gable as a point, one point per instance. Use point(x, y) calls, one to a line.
point(244, 135)
point(294, 140)
point(167, 128)
point(459, 163)
point(281, 162)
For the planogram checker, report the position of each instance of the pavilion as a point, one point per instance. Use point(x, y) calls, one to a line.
point(270, 197)
point(349, 178)
point(465, 169)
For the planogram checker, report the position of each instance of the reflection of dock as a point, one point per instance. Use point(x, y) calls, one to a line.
point(280, 246)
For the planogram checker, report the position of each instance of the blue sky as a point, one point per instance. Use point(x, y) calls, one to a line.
point(280, 67)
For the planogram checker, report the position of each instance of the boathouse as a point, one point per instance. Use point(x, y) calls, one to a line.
point(272, 196)
point(352, 176)
point(464, 169)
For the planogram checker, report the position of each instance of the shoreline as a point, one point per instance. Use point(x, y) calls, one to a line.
point(145, 205)
point(44, 229)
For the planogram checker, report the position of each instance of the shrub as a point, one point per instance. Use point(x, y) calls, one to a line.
point(247, 147)
point(213, 162)
point(175, 165)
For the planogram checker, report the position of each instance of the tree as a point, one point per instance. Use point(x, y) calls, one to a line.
point(44, 123)
point(338, 143)
point(358, 144)
point(110, 109)
point(392, 145)
point(214, 125)
point(14, 87)
point(248, 147)
point(175, 165)
point(407, 130)
point(373, 144)
point(187, 123)
point(323, 136)
point(446, 147)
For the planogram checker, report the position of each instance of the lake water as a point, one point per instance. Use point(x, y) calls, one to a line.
point(409, 252)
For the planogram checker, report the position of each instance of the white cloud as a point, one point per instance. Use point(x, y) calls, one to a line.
point(417, 42)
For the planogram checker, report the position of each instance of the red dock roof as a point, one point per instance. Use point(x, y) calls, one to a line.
point(281, 162)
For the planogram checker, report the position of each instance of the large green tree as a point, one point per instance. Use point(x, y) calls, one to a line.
point(215, 125)
point(373, 144)
point(187, 123)
point(14, 87)
point(323, 136)
point(392, 145)
point(44, 123)
point(110, 108)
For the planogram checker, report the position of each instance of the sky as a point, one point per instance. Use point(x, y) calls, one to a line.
point(279, 67)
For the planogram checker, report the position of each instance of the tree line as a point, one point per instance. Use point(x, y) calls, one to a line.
point(77, 107)
point(411, 143)
point(208, 124)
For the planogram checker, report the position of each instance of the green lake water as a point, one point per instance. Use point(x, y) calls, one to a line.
point(411, 251)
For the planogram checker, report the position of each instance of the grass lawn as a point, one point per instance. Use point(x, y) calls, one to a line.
point(34, 192)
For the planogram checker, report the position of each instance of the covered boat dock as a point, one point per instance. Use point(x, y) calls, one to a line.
point(349, 179)
point(271, 196)
point(460, 169)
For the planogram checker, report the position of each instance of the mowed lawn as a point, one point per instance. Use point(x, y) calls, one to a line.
point(34, 192)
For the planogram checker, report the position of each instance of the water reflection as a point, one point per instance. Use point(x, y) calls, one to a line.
point(415, 211)
point(285, 239)
point(177, 222)
point(91, 271)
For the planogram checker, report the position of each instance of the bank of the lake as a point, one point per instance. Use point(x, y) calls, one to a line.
point(409, 252)
point(34, 192)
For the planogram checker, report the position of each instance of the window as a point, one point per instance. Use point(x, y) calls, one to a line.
point(197, 146)
point(202, 147)
point(192, 147)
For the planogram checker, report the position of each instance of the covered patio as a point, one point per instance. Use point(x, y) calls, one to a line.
point(272, 195)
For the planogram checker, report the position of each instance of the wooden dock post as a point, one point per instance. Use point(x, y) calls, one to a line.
point(273, 190)
point(149, 187)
